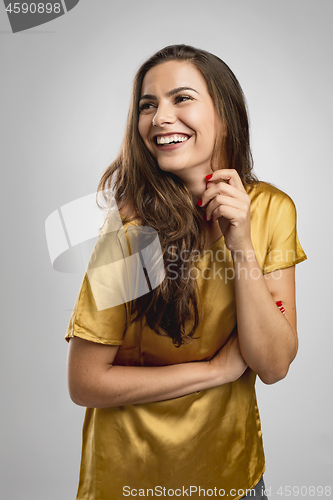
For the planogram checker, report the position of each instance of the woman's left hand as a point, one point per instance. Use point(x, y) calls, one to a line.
point(226, 200)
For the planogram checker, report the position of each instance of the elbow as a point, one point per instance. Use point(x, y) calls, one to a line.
point(79, 389)
point(270, 377)
point(278, 372)
point(79, 397)
point(91, 393)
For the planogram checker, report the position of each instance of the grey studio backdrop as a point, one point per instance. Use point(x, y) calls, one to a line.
point(65, 89)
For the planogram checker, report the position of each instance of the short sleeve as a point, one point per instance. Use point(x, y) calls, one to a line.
point(115, 276)
point(100, 312)
point(106, 326)
point(284, 249)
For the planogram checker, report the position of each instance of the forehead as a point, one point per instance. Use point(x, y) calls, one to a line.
point(173, 74)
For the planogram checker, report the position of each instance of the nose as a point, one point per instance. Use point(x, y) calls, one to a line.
point(164, 115)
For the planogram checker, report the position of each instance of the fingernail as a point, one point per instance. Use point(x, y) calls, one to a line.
point(279, 303)
point(199, 203)
point(209, 176)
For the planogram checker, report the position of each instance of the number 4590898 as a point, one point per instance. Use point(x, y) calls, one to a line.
point(33, 8)
point(305, 491)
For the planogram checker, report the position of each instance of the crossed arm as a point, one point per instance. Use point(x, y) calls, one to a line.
point(266, 340)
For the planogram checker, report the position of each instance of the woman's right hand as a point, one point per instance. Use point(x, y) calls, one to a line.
point(95, 382)
point(229, 361)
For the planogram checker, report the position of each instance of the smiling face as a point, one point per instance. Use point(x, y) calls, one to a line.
point(177, 120)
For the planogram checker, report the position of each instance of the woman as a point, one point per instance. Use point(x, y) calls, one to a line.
point(167, 378)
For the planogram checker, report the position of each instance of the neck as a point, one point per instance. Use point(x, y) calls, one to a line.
point(195, 181)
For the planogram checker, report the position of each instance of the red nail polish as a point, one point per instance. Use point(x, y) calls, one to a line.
point(279, 303)
point(209, 176)
point(199, 203)
point(282, 310)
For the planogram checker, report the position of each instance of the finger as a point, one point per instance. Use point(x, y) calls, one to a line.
point(235, 330)
point(229, 175)
point(226, 201)
point(224, 224)
point(213, 190)
point(231, 213)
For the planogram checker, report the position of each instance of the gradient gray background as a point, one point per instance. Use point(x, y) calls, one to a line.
point(64, 99)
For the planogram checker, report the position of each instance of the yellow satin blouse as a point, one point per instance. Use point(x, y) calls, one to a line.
point(210, 439)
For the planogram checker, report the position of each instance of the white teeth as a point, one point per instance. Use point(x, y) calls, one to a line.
point(171, 138)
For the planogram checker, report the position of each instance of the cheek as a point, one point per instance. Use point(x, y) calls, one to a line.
point(209, 131)
point(144, 129)
point(201, 121)
point(209, 120)
point(141, 128)
point(191, 118)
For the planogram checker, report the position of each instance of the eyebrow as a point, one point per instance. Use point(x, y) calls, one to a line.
point(168, 94)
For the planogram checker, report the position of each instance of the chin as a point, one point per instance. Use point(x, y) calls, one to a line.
point(170, 168)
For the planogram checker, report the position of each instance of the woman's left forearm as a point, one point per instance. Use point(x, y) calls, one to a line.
point(267, 340)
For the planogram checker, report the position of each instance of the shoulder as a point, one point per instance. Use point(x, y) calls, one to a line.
point(265, 190)
point(119, 218)
point(129, 216)
point(264, 195)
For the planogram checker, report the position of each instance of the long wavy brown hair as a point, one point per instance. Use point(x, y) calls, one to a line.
point(160, 200)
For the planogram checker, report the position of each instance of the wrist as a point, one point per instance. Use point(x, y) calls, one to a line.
point(245, 254)
point(217, 373)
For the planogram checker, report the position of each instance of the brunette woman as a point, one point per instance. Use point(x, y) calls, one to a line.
point(168, 378)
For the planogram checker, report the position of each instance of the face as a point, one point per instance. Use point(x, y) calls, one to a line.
point(177, 119)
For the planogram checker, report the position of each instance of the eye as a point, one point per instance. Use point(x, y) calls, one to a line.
point(183, 98)
point(146, 106)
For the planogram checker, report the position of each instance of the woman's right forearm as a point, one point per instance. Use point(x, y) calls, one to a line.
point(124, 385)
